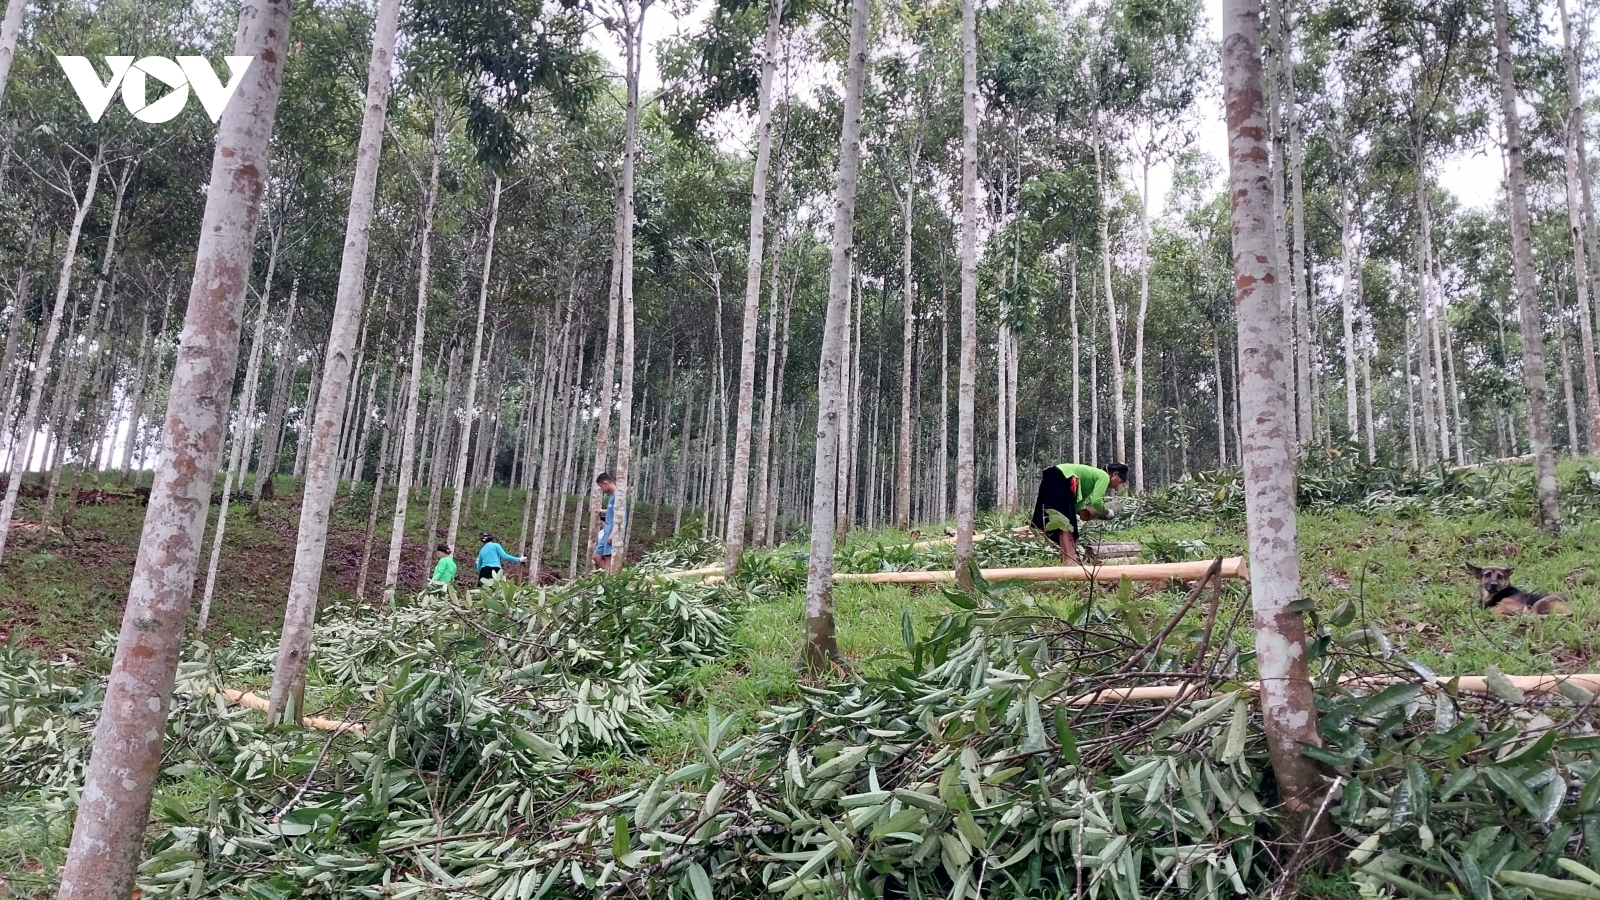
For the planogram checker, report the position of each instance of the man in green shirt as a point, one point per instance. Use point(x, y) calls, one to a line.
point(445, 571)
point(1076, 492)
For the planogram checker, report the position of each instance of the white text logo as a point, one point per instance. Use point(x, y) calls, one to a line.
point(180, 75)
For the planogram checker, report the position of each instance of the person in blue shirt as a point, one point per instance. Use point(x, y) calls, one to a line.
point(491, 557)
point(602, 549)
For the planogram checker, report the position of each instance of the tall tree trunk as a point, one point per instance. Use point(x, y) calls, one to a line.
point(558, 398)
point(902, 478)
point(605, 378)
point(763, 494)
point(1118, 387)
point(1077, 364)
point(464, 446)
point(1138, 330)
point(442, 438)
point(822, 646)
point(114, 806)
point(1276, 55)
point(1287, 700)
point(966, 393)
point(238, 459)
point(1347, 308)
point(308, 412)
point(1367, 350)
point(1590, 305)
point(1574, 448)
point(1411, 406)
point(81, 369)
point(1094, 377)
point(10, 28)
point(769, 529)
point(30, 417)
point(944, 392)
point(378, 475)
point(1300, 289)
point(282, 379)
point(630, 150)
point(1222, 407)
point(1579, 216)
point(322, 474)
point(1527, 291)
point(752, 294)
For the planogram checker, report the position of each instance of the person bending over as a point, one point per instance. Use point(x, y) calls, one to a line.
point(492, 557)
point(1076, 492)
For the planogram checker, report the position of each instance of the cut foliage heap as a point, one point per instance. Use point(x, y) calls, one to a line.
point(956, 771)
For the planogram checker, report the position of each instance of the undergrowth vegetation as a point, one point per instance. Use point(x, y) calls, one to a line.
point(640, 736)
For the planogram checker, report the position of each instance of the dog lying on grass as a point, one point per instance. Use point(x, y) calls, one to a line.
point(1498, 596)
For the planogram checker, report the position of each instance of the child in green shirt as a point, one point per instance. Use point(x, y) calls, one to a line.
point(445, 571)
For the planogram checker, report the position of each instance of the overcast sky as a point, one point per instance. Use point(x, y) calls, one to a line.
point(1473, 176)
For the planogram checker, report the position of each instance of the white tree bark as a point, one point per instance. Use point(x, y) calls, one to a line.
point(1077, 364)
point(822, 646)
point(738, 495)
point(1118, 387)
point(21, 443)
point(114, 809)
point(630, 151)
point(902, 478)
point(1347, 307)
point(967, 384)
point(10, 28)
point(1576, 206)
point(1138, 328)
point(322, 462)
point(239, 457)
point(1288, 703)
point(1533, 373)
point(282, 380)
point(469, 407)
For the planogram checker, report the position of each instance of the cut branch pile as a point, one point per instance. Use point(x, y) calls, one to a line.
point(971, 765)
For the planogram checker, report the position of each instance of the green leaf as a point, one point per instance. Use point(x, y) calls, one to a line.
point(1034, 739)
point(620, 842)
point(1391, 697)
point(908, 635)
point(1502, 687)
point(1457, 782)
point(1554, 888)
point(1512, 787)
point(1580, 870)
point(1421, 789)
point(1533, 751)
point(1069, 745)
point(700, 882)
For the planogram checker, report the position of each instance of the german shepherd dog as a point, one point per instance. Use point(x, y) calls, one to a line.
point(1498, 596)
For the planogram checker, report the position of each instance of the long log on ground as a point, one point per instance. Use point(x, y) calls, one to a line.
point(1471, 684)
point(1524, 460)
point(1232, 567)
point(694, 573)
point(249, 700)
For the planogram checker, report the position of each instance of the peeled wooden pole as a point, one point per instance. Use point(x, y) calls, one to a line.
point(251, 700)
point(1232, 567)
point(1468, 684)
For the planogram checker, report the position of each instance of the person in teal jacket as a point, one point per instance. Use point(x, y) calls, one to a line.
point(492, 557)
point(1076, 492)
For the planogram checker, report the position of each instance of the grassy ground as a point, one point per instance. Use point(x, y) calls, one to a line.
point(61, 590)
